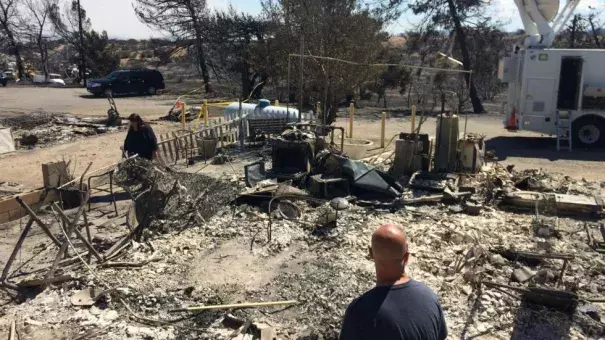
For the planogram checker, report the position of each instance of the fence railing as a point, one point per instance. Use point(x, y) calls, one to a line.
point(184, 144)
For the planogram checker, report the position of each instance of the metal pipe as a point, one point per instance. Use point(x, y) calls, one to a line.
point(470, 81)
point(382, 128)
point(234, 306)
point(413, 118)
point(16, 249)
point(38, 221)
point(288, 85)
point(241, 125)
point(414, 67)
point(77, 232)
point(302, 77)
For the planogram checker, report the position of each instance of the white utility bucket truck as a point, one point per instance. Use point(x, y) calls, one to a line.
point(557, 92)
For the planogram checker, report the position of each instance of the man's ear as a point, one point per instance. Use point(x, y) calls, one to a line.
point(406, 258)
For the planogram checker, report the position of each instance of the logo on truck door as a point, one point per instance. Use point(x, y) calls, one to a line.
point(543, 57)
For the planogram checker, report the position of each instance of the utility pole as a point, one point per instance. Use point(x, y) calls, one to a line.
point(82, 57)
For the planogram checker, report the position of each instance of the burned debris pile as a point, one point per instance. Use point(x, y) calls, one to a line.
point(507, 251)
point(165, 200)
point(39, 129)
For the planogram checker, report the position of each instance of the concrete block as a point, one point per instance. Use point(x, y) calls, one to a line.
point(55, 174)
point(10, 210)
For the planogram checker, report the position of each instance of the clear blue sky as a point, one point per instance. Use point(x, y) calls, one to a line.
point(117, 17)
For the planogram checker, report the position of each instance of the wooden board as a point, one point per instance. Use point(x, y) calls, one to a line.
point(169, 146)
point(569, 204)
point(54, 174)
point(175, 143)
point(163, 147)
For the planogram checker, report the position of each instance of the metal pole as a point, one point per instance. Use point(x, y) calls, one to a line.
point(439, 136)
point(470, 81)
point(302, 76)
point(288, 86)
point(413, 118)
point(351, 118)
point(241, 125)
point(82, 58)
point(326, 108)
point(382, 128)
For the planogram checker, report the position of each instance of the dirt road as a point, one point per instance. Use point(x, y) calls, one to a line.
point(526, 150)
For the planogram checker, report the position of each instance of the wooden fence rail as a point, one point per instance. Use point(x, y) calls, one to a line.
point(183, 144)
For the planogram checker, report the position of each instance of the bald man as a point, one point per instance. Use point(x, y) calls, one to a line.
point(398, 307)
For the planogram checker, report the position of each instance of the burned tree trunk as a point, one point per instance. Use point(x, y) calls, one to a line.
point(247, 83)
point(201, 58)
point(16, 49)
point(7, 17)
point(199, 46)
point(574, 30)
point(466, 59)
point(595, 34)
point(43, 50)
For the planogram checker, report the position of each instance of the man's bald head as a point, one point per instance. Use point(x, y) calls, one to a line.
point(389, 250)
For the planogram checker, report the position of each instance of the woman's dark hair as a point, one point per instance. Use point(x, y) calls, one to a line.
point(136, 118)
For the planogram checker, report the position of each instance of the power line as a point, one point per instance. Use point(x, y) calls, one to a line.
point(380, 65)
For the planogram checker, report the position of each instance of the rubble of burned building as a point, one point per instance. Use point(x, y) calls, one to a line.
point(509, 253)
point(43, 129)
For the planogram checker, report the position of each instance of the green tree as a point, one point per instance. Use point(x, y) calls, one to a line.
point(100, 55)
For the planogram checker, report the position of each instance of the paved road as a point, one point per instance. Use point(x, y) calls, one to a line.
point(19, 99)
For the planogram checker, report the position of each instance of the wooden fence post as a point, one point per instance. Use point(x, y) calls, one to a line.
point(351, 118)
point(413, 118)
point(221, 136)
point(183, 115)
point(205, 112)
point(382, 128)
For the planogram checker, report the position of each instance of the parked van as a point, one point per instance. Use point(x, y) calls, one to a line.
point(128, 81)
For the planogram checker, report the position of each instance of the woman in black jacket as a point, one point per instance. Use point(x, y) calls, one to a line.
point(140, 139)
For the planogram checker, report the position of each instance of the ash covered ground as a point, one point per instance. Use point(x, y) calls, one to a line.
point(225, 256)
point(43, 129)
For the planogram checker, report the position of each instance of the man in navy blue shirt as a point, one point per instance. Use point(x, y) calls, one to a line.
point(398, 307)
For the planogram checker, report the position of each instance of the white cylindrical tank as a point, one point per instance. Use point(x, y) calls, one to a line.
point(262, 111)
point(231, 111)
point(275, 112)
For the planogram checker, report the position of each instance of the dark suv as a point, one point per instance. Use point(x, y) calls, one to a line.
point(3, 79)
point(129, 81)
